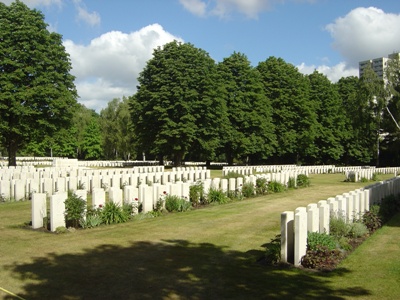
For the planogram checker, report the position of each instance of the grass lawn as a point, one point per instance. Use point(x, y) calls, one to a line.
point(209, 253)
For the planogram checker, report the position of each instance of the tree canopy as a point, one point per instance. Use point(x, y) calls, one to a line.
point(177, 104)
point(37, 92)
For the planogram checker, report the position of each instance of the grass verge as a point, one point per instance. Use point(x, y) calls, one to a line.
point(209, 253)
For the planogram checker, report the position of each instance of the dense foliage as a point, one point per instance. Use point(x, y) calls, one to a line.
point(189, 107)
point(37, 92)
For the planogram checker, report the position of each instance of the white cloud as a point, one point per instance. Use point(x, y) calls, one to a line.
point(196, 7)
point(365, 33)
point(250, 8)
point(224, 8)
point(333, 73)
point(108, 67)
point(92, 18)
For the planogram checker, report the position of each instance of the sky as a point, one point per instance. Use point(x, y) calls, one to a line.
point(109, 42)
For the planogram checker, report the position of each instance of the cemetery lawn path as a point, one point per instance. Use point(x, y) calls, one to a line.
point(208, 253)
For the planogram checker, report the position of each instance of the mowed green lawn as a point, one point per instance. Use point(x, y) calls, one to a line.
point(209, 253)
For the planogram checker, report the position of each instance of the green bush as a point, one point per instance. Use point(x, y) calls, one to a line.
point(232, 174)
point(273, 250)
point(303, 180)
point(291, 183)
point(316, 239)
point(338, 227)
point(196, 194)
point(174, 203)
point(390, 205)
point(276, 187)
point(91, 221)
point(372, 221)
point(113, 213)
point(248, 190)
point(216, 196)
point(261, 186)
point(74, 210)
point(358, 230)
point(322, 258)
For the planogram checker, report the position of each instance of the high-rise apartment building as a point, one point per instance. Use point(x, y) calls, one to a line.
point(377, 64)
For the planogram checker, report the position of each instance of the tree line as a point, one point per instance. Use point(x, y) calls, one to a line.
point(189, 107)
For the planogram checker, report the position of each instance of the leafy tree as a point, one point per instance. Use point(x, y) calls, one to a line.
point(126, 139)
point(37, 93)
point(370, 103)
point(294, 114)
point(91, 146)
point(391, 115)
point(109, 128)
point(177, 104)
point(330, 116)
point(355, 152)
point(81, 120)
point(250, 132)
point(117, 130)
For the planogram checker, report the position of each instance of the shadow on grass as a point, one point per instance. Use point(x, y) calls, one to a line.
point(173, 269)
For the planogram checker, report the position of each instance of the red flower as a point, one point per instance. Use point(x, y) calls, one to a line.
point(164, 192)
point(136, 199)
point(100, 205)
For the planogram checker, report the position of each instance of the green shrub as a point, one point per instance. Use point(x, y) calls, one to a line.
point(375, 177)
point(371, 220)
point(261, 186)
point(232, 174)
point(358, 230)
point(303, 180)
point(216, 196)
point(236, 195)
point(338, 227)
point(61, 229)
point(113, 213)
point(248, 190)
point(343, 243)
point(74, 210)
point(91, 221)
point(390, 205)
point(174, 203)
point(275, 187)
point(316, 239)
point(273, 250)
point(291, 183)
point(196, 193)
point(322, 258)
point(363, 179)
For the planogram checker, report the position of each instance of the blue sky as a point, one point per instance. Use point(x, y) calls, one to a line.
point(110, 41)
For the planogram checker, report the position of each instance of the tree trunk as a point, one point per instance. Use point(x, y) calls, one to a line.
point(161, 159)
point(12, 154)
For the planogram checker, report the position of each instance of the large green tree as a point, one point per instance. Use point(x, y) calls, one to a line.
point(117, 130)
point(370, 103)
point(355, 152)
point(177, 104)
point(250, 133)
point(294, 114)
point(331, 120)
point(37, 92)
point(391, 115)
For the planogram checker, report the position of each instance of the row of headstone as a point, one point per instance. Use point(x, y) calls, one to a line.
point(315, 217)
point(19, 189)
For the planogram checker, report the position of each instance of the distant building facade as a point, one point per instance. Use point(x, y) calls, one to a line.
point(378, 65)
